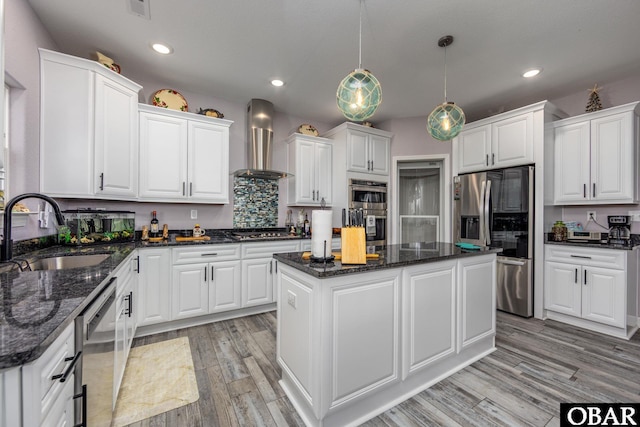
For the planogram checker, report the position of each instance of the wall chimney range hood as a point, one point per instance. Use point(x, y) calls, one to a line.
point(260, 142)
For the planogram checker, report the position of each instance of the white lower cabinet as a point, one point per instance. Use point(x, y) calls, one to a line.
point(259, 270)
point(47, 394)
point(592, 288)
point(205, 280)
point(428, 298)
point(154, 301)
point(477, 290)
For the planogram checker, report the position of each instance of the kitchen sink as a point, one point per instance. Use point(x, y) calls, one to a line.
point(70, 261)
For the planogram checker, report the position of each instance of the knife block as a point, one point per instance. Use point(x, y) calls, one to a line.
point(354, 245)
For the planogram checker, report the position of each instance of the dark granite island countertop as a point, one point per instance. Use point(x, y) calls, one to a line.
point(391, 256)
point(38, 305)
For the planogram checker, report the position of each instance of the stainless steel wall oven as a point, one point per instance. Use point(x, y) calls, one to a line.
point(370, 197)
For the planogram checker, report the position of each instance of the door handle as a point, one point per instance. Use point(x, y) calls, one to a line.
point(271, 267)
point(580, 256)
point(493, 158)
point(191, 189)
point(585, 276)
point(212, 273)
point(487, 160)
point(205, 274)
point(63, 376)
point(510, 262)
point(102, 181)
point(594, 189)
point(584, 191)
point(276, 267)
point(83, 395)
point(486, 213)
point(575, 278)
point(130, 303)
point(184, 184)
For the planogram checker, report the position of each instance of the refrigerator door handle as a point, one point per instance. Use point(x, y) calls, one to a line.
point(482, 235)
point(485, 209)
point(531, 210)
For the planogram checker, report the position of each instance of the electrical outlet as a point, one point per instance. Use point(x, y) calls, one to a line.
point(194, 214)
point(635, 215)
point(591, 215)
point(291, 299)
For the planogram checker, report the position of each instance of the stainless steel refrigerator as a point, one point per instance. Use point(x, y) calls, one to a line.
point(495, 208)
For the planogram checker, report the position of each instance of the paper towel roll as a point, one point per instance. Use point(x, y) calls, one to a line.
point(321, 226)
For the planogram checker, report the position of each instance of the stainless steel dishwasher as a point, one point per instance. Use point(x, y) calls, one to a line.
point(95, 337)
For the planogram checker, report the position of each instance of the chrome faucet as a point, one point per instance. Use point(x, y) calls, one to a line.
point(6, 252)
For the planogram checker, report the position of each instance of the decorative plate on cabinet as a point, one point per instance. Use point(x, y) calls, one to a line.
point(307, 129)
point(171, 99)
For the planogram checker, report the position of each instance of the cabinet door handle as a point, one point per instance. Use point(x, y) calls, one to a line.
point(487, 160)
point(493, 158)
point(212, 273)
point(63, 376)
point(575, 278)
point(585, 277)
point(594, 189)
point(584, 191)
point(83, 395)
point(138, 264)
point(205, 274)
point(183, 188)
point(102, 181)
point(276, 267)
point(130, 303)
point(191, 189)
point(271, 267)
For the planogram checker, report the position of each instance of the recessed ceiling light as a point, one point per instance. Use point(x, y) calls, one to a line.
point(532, 72)
point(277, 82)
point(162, 48)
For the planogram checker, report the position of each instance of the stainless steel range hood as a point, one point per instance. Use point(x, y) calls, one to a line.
point(260, 142)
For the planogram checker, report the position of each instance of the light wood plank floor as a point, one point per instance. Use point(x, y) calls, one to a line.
point(537, 365)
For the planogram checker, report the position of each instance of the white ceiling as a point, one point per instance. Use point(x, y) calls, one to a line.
point(231, 49)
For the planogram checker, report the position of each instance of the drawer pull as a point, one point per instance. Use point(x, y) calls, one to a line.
point(580, 256)
point(210, 254)
point(63, 376)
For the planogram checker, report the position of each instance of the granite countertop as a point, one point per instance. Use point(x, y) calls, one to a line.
point(38, 305)
point(391, 256)
point(594, 245)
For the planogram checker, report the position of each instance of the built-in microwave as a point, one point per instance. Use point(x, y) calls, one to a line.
point(370, 197)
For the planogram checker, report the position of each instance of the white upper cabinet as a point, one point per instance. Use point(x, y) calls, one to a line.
point(183, 157)
point(367, 149)
point(310, 161)
point(596, 157)
point(494, 143)
point(88, 129)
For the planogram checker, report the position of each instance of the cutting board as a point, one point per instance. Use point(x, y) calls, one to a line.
point(338, 255)
point(192, 239)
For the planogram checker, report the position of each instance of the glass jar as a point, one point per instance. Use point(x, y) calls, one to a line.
point(559, 231)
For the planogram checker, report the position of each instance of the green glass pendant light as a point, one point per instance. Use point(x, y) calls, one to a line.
point(447, 119)
point(359, 93)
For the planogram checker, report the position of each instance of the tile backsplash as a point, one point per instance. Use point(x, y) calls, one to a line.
point(255, 202)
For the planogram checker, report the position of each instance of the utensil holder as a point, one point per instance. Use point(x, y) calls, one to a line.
point(354, 245)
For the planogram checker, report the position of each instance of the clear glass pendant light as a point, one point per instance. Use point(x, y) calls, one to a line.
point(447, 119)
point(359, 93)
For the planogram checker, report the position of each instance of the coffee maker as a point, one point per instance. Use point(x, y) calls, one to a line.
point(619, 230)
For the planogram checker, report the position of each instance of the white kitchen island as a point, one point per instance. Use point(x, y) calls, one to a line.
point(354, 341)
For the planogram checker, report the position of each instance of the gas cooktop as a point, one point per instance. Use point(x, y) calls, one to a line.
point(263, 234)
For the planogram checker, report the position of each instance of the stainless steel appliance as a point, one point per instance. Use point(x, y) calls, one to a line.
point(260, 115)
point(619, 230)
point(495, 208)
point(263, 234)
point(95, 337)
point(369, 200)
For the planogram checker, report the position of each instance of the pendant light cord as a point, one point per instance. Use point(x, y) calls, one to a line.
point(445, 74)
point(360, 44)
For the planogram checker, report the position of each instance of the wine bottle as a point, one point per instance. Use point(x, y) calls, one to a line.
point(307, 229)
point(154, 224)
